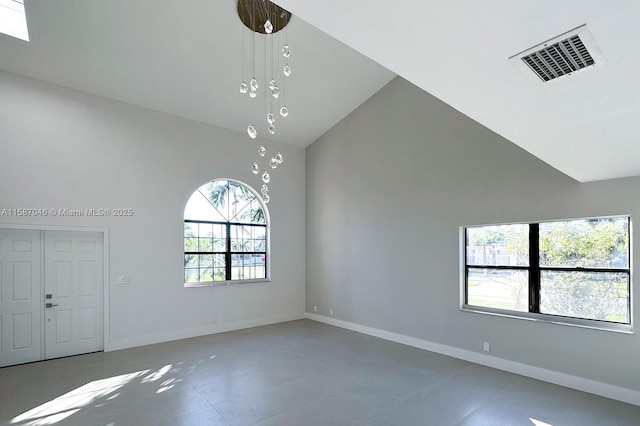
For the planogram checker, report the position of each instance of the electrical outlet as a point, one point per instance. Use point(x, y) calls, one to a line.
point(486, 346)
point(331, 312)
point(315, 309)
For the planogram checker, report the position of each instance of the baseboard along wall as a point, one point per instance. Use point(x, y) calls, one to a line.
point(567, 380)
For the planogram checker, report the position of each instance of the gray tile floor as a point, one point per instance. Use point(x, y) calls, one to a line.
point(295, 373)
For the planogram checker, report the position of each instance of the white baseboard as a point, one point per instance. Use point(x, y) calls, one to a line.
point(200, 331)
point(579, 383)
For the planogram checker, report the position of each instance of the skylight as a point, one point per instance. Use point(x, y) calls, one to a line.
point(13, 21)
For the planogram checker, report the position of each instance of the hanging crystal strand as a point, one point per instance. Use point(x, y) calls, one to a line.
point(274, 80)
point(265, 70)
point(271, 120)
point(284, 111)
point(273, 83)
point(284, 83)
point(255, 168)
point(262, 150)
point(274, 68)
point(251, 131)
point(286, 52)
point(275, 92)
point(268, 26)
point(273, 162)
point(253, 84)
point(243, 85)
point(286, 70)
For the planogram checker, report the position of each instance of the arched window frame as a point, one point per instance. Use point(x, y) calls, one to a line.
point(231, 256)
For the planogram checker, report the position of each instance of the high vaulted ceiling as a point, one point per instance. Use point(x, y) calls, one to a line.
point(587, 124)
point(184, 58)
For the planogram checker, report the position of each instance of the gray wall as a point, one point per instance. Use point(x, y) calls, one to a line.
point(64, 149)
point(388, 189)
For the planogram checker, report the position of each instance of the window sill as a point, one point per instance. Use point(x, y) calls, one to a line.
point(552, 319)
point(226, 283)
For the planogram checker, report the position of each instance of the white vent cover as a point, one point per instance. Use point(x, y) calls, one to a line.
point(563, 55)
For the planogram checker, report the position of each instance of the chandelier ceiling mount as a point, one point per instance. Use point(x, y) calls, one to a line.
point(255, 13)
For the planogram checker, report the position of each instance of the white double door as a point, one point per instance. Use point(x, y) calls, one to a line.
point(51, 294)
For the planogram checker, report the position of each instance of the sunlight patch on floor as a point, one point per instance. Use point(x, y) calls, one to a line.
point(539, 422)
point(167, 384)
point(66, 405)
point(157, 375)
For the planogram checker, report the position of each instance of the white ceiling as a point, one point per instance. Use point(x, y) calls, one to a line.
point(587, 124)
point(184, 58)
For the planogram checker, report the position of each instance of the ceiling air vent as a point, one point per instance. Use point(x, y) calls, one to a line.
point(565, 54)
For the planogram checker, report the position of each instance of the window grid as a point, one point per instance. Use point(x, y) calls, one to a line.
point(235, 261)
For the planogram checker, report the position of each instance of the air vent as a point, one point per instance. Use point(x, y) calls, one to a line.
point(559, 59)
point(563, 55)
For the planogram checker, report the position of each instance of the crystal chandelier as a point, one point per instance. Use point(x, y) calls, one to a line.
point(265, 69)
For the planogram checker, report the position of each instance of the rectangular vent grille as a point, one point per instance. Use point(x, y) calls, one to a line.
point(561, 58)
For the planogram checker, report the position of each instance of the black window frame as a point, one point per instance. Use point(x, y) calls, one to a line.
point(228, 253)
point(534, 272)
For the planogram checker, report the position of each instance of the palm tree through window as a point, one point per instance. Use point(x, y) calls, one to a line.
point(225, 234)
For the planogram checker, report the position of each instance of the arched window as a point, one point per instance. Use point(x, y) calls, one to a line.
point(225, 234)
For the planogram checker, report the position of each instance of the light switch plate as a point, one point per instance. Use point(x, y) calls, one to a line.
point(123, 280)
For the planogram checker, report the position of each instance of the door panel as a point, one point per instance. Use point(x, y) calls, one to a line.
point(87, 278)
point(20, 297)
point(74, 279)
point(87, 323)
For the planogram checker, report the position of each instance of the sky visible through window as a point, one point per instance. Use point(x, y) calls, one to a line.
point(236, 205)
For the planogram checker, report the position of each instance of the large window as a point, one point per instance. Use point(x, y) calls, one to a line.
point(574, 271)
point(225, 235)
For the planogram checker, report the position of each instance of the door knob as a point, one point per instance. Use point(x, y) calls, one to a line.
point(50, 305)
